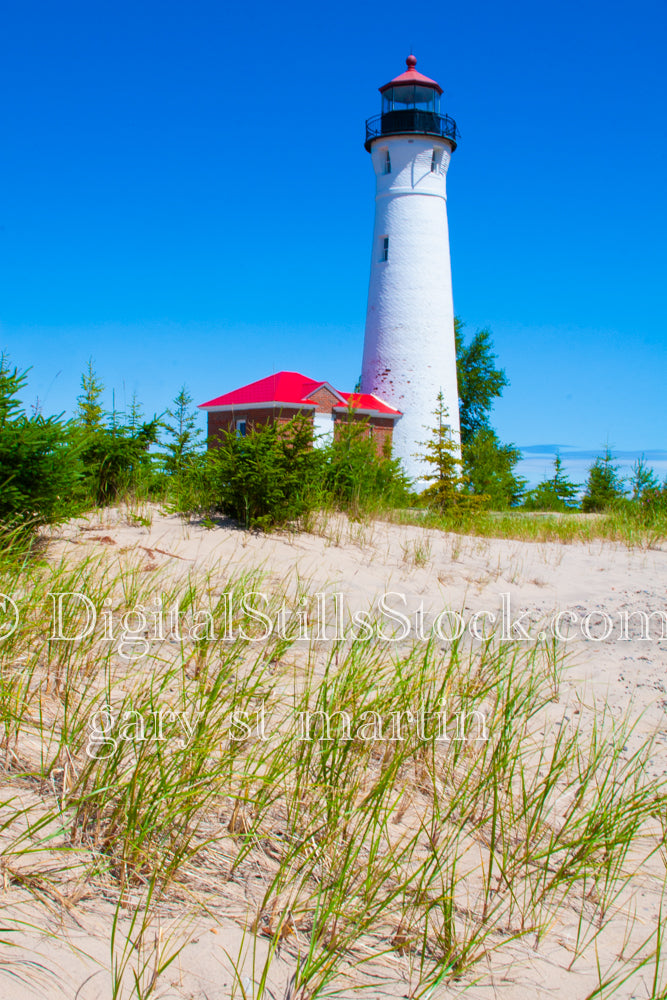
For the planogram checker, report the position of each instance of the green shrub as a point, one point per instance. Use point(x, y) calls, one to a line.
point(113, 461)
point(274, 475)
point(653, 499)
point(113, 457)
point(488, 467)
point(37, 474)
point(267, 478)
point(356, 476)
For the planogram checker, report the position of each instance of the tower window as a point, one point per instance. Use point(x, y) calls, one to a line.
point(387, 163)
point(435, 161)
point(385, 248)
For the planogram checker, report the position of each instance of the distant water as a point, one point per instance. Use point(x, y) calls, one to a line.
point(537, 462)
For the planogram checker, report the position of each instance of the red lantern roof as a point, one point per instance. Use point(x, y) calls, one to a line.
point(411, 76)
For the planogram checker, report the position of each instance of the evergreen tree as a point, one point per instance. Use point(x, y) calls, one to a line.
point(354, 474)
point(442, 454)
point(37, 474)
point(113, 457)
point(489, 466)
point(135, 415)
point(269, 477)
point(558, 493)
point(479, 380)
point(643, 481)
point(183, 431)
point(653, 498)
point(604, 486)
point(90, 413)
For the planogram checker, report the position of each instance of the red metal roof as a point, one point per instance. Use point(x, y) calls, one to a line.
point(283, 387)
point(411, 76)
point(367, 401)
point(292, 388)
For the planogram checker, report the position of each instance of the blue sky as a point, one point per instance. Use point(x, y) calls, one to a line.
point(185, 197)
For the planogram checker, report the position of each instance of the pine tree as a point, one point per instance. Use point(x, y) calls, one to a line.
point(134, 417)
point(489, 470)
point(643, 480)
point(355, 474)
point(183, 431)
point(442, 454)
point(604, 485)
point(114, 457)
point(37, 474)
point(557, 493)
point(11, 383)
point(89, 411)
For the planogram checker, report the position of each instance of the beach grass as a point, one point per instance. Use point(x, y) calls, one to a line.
point(345, 805)
point(628, 525)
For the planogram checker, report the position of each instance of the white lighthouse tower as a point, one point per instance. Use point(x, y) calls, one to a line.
point(409, 349)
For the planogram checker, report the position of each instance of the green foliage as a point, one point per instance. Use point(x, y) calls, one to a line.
point(267, 478)
point(50, 469)
point(555, 494)
point(643, 482)
point(271, 477)
point(604, 487)
point(275, 476)
point(135, 416)
point(653, 499)
point(112, 457)
point(183, 432)
point(442, 454)
point(113, 460)
point(647, 503)
point(355, 476)
point(479, 380)
point(90, 412)
point(37, 476)
point(489, 466)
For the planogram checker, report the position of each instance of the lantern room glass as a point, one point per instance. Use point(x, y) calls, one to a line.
point(411, 96)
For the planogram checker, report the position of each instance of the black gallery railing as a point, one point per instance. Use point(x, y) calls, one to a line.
point(411, 120)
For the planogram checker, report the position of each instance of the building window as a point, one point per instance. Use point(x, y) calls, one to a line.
point(387, 163)
point(385, 248)
point(435, 161)
point(240, 428)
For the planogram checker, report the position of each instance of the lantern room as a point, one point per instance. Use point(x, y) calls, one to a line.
point(411, 90)
point(411, 103)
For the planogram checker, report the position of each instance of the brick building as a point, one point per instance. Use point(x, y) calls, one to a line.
point(284, 395)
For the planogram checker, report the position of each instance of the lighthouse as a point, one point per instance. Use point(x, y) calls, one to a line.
point(409, 347)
